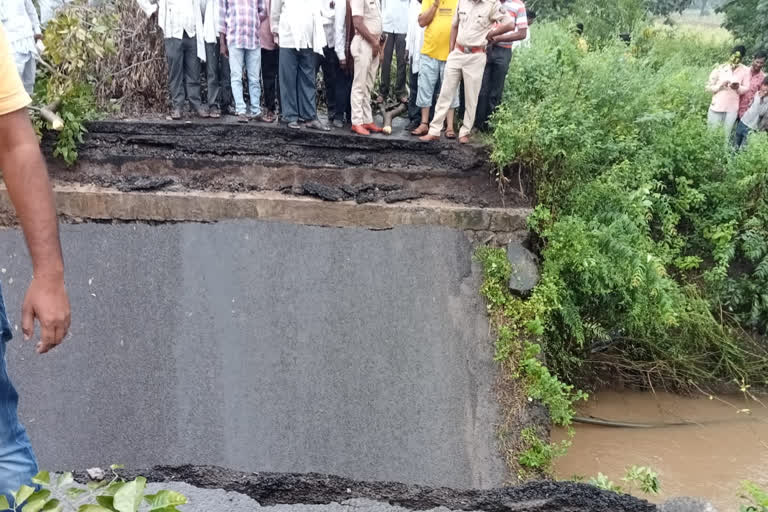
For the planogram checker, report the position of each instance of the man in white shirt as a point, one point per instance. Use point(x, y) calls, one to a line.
point(394, 14)
point(414, 40)
point(22, 27)
point(328, 61)
point(295, 29)
point(217, 66)
point(750, 121)
point(182, 24)
point(342, 38)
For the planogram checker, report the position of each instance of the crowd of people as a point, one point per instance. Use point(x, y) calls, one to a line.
point(278, 47)
point(739, 97)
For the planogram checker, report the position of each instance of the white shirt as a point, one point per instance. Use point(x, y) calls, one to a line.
point(211, 15)
point(414, 38)
point(294, 22)
point(48, 9)
point(340, 29)
point(174, 17)
point(758, 109)
point(329, 16)
point(21, 23)
point(394, 16)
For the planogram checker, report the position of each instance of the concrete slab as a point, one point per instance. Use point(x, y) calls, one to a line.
point(265, 346)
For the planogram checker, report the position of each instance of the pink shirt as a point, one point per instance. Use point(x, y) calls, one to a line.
point(725, 99)
point(755, 81)
point(265, 30)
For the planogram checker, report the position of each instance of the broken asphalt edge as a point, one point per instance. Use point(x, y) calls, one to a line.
point(315, 489)
point(89, 202)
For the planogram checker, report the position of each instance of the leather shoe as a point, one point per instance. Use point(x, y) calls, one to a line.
point(360, 129)
point(371, 127)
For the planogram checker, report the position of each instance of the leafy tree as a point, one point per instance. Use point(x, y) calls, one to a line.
point(667, 7)
point(748, 21)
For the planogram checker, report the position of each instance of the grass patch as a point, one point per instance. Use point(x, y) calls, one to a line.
point(517, 325)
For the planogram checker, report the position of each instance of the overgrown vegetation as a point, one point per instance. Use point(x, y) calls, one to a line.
point(60, 493)
point(653, 234)
point(517, 325)
point(101, 57)
point(749, 20)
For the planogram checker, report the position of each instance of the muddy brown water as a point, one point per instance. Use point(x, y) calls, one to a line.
point(709, 459)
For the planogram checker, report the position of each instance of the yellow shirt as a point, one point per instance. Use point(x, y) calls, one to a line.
point(13, 97)
point(437, 35)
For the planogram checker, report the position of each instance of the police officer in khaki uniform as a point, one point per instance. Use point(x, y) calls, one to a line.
point(473, 29)
point(366, 49)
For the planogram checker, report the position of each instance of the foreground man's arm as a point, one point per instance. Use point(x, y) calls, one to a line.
point(26, 178)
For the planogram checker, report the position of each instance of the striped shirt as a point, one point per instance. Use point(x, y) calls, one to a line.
point(516, 9)
point(240, 22)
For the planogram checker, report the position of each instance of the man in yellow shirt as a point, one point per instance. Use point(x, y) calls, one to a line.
point(26, 180)
point(476, 24)
point(436, 16)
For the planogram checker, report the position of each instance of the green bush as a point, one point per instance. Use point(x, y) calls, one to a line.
point(653, 235)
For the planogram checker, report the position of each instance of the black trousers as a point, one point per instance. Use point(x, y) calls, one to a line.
point(217, 71)
point(414, 112)
point(343, 108)
point(183, 71)
point(395, 42)
point(329, 62)
point(270, 65)
point(494, 76)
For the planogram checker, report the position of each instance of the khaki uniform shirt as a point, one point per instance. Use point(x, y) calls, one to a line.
point(475, 18)
point(370, 10)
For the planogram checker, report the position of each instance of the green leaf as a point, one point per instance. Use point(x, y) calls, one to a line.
point(37, 501)
point(23, 494)
point(115, 466)
point(93, 508)
point(64, 479)
point(74, 492)
point(53, 506)
point(42, 478)
point(129, 497)
point(106, 501)
point(164, 499)
point(4, 505)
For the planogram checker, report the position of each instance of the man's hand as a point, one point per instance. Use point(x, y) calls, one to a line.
point(47, 302)
point(276, 37)
point(38, 37)
point(436, 4)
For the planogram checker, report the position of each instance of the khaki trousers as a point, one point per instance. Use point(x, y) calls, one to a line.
point(470, 66)
point(366, 67)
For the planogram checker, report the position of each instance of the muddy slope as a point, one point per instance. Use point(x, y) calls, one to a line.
point(279, 488)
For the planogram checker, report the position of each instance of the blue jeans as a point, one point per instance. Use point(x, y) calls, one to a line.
point(298, 90)
point(17, 461)
point(240, 58)
point(740, 135)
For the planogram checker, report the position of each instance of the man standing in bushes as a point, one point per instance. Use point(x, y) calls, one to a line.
point(21, 24)
point(727, 83)
point(239, 29)
point(182, 24)
point(476, 24)
point(497, 66)
point(750, 121)
point(30, 191)
point(756, 78)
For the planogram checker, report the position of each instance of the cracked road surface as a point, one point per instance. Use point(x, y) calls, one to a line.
point(264, 346)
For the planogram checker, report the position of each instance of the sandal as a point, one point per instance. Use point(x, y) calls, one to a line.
point(464, 139)
point(423, 129)
point(450, 134)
